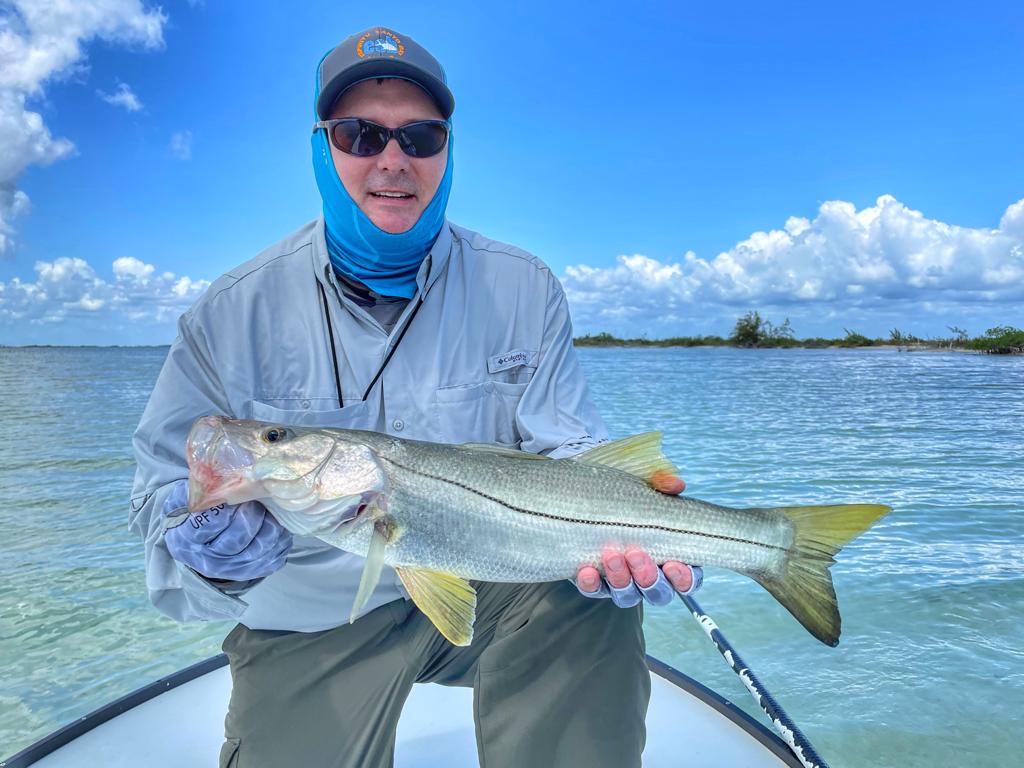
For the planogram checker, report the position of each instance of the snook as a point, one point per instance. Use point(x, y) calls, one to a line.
point(443, 514)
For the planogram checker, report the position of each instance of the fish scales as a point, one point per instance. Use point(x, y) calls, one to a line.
point(496, 520)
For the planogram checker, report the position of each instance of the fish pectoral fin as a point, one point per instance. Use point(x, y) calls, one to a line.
point(448, 601)
point(374, 565)
point(639, 455)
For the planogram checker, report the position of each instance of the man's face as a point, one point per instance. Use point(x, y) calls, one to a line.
point(390, 102)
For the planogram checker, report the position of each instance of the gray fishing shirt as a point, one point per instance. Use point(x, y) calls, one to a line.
point(488, 357)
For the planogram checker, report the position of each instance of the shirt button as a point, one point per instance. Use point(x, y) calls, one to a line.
point(398, 425)
point(305, 404)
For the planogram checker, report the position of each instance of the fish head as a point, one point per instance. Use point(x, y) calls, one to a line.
point(311, 479)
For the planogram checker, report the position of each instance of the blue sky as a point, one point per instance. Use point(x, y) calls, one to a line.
point(674, 163)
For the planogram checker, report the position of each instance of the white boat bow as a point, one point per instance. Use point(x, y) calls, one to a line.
point(179, 721)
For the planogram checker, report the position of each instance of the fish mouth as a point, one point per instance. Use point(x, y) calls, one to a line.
point(200, 497)
point(217, 467)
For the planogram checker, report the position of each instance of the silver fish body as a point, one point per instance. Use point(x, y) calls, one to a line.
point(494, 514)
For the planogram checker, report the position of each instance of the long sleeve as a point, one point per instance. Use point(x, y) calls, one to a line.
point(188, 387)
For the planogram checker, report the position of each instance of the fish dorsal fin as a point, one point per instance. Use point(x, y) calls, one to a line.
point(382, 530)
point(639, 455)
point(502, 450)
point(448, 601)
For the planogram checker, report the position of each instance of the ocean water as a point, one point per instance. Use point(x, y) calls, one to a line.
point(930, 670)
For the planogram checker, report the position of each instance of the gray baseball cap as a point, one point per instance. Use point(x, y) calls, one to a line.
point(380, 52)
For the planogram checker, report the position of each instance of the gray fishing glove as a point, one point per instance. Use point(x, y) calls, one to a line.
point(660, 592)
point(233, 542)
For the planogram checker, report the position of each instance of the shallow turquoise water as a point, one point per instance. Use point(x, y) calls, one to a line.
point(931, 664)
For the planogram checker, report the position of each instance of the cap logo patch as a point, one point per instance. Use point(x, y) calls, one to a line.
point(380, 42)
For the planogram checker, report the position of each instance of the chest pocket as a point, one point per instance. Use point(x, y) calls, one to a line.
point(482, 413)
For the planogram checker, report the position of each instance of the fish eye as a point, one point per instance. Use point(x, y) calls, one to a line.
point(274, 434)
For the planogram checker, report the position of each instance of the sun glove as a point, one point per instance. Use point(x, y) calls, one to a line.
point(660, 592)
point(233, 542)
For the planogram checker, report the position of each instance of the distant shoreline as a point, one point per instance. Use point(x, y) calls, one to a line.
point(725, 344)
point(755, 332)
point(85, 346)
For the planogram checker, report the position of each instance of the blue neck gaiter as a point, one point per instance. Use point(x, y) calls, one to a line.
point(387, 263)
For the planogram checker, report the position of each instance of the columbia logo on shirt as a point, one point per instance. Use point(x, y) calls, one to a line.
point(512, 359)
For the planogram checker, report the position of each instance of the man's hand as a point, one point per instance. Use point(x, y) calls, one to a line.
point(633, 576)
point(230, 542)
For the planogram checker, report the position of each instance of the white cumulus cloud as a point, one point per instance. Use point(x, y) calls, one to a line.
point(886, 259)
point(41, 41)
point(69, 289)
point(124, 96)
point(128, 267)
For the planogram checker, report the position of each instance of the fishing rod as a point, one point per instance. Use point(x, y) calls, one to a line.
point(787, 729)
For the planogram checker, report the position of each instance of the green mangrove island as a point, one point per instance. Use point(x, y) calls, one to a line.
point(753, 331)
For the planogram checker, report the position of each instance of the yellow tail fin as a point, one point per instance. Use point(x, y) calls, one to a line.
point(804, 585)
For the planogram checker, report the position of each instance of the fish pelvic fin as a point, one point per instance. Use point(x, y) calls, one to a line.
point(804, 586)
point(639, 455)
point(448, 601)
point(383, 531)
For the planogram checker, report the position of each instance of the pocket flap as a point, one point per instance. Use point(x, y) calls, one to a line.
point(468, 392)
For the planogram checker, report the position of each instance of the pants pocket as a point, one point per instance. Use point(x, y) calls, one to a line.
point(515, 638)
point(229, 753)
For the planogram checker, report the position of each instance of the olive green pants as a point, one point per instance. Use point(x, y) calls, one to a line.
point(558, 680)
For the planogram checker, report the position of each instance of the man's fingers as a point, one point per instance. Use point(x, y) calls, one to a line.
point(666, 482)
point(616, 571)
point(680, 575)
point(642, 567)
point(588, 579)
point(632, 575)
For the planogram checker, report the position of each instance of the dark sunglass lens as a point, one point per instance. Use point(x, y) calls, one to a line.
point(358, 138)
point(343, 135)
point(423, 139)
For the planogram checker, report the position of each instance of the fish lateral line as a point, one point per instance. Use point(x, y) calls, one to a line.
point(549, 516)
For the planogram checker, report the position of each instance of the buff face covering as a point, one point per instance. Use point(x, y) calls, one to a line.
point(386, 262)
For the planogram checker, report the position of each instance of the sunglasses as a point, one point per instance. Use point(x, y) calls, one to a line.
point(363, 138)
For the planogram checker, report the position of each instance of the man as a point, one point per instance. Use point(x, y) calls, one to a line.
point(383, 315)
